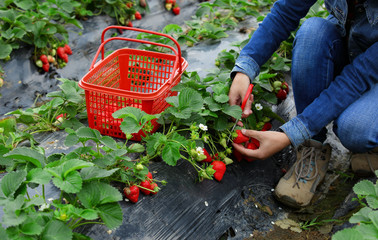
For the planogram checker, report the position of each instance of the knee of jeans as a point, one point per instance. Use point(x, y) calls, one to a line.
point(315, 30)
point(355, 137)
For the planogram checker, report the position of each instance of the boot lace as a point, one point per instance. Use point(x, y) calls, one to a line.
point(306, 168)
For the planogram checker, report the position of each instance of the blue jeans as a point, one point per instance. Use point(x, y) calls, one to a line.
point(319, 55)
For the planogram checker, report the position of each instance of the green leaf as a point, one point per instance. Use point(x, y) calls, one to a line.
point(71, 140)
point(5, 50)
point(86, 133)
point(56, 230)
point(129, 125)
point(190, 98)
point(12, 181)
point(136, 147)
point(171, 153)
point(71, 184)
point(222, 98)
point(372, 201)
point(3, 234)
point(220, 123)
point(374, 218)
point(27, 155)
point(109, 142)
point(111, 214)
point(233, 111)
point(95, 172)
point(38, 175)
point(13, 215)
point(30, 227)
point(361, 216)
point(25, 4)
point(213, 106)
point(369, 231)
point(90, 196)
point(347, 234)
point(364, 187)
point(132, 112)
point(88, 214)
point(74, 164)
point(154, 141)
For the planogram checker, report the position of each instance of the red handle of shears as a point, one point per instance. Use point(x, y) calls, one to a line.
point(249, 91)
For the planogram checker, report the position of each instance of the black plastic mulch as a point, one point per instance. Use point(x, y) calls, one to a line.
point(184, 209)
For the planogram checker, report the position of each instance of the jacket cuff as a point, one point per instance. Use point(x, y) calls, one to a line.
point(246, 65)
point(296, 131)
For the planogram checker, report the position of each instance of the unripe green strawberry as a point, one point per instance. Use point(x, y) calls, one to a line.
point(39, 63)
point(227, 160)
point(277, 84)
point(223, 142)
point(139, 167)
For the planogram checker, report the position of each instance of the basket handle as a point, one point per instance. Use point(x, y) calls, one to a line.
point(103, 42)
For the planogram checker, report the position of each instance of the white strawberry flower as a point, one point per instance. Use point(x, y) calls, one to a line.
point(203, 127)
point(199, 151)
point(258, 106)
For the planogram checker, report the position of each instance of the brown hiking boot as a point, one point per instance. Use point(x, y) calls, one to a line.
point(364, 164)
point(297, 187)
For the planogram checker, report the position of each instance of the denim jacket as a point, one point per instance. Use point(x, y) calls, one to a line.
point(355, 79)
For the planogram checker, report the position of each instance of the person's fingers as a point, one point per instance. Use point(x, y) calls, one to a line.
point(248, 107)
point(251, 133)
point(247, 152)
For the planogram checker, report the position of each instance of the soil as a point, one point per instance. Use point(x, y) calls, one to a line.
point(322, 212)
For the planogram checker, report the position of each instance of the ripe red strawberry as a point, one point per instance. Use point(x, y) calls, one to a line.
point(146, 184)
point(149, 176)
point(44, 59)
point(67, 49)
point(267, 126)
point(220, 169)
point(65, 58)
point(176, 10)
point(255, 142)
point(241, 138)
point(46, 67)
point(252, 146)
point(238, 156)
point(215, 157)
point(129, 24)
point(154, 187)
point(208, 157)
point(281, 94)
point(131, 193)
point(137, 15)
point(61, 52)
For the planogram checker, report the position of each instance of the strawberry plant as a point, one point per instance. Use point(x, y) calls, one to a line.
point(366, 218)
point(68, 101)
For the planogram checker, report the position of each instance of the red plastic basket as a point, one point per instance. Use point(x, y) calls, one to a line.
point(130, 78)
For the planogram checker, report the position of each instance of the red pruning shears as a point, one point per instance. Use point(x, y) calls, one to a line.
point(249, 92)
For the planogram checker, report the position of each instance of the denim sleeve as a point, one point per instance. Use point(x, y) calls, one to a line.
point(355, 79)
point(275, 28)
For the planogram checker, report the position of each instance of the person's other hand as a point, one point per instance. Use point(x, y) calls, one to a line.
point(271, 142)
point(237, 93)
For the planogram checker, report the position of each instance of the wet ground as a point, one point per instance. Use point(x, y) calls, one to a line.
point(242, 206)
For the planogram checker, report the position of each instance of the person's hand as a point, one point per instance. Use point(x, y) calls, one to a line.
point(271, 142)
point(237, 92)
